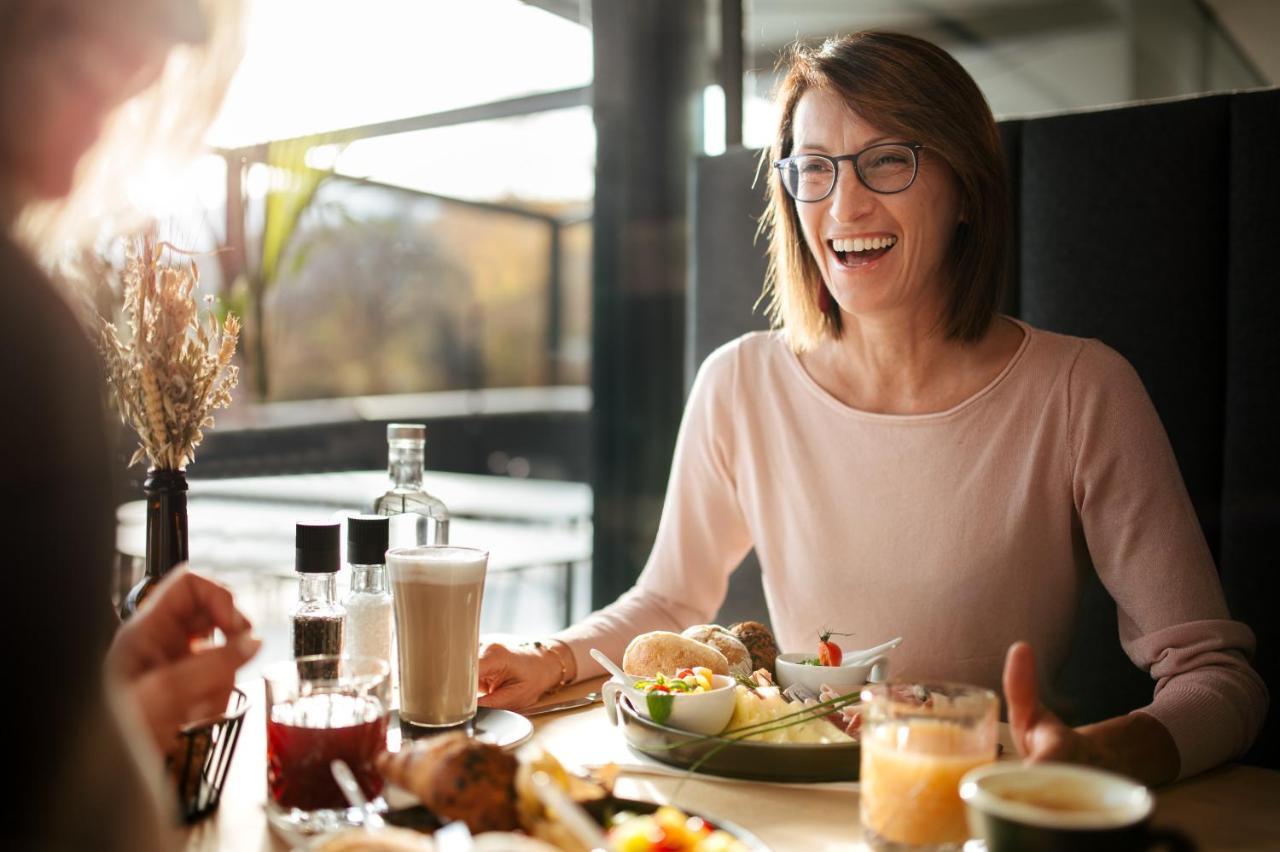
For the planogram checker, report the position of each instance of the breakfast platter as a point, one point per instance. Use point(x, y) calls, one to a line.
point(722, 701)
point(745, 759)
point(606, 812)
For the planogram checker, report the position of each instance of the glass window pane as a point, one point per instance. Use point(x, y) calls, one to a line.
point(386, 291)
point(317, 65)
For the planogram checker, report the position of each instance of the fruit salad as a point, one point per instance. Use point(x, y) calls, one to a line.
point(686, 680)
point(669, 829)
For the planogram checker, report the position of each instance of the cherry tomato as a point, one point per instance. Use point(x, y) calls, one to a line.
point(829, 653)
point(684, 672)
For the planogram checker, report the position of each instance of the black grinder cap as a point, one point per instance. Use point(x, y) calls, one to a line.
point(316, 549)
point(367, 537)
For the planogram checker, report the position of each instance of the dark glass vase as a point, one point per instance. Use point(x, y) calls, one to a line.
point(166, 492)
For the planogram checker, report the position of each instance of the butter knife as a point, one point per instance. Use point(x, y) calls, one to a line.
point(583, 701)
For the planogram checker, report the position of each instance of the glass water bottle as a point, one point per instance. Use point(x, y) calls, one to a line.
point(406, 445)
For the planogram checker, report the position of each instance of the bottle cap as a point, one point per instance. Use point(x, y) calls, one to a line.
point(367, 537)
point(316, 549)
point(406, 432)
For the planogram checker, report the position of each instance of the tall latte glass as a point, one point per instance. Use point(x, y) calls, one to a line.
point(437, 592)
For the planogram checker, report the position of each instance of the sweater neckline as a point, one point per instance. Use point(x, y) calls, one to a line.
point(830, 401)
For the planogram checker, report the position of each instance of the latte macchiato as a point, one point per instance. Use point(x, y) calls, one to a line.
point(437, 592)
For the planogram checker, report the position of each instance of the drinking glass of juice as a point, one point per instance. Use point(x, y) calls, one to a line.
point(918, 739)
point(321, 709)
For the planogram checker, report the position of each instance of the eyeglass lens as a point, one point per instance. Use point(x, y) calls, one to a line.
point(883, 168)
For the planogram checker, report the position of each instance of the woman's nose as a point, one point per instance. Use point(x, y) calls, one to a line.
point(850, 198)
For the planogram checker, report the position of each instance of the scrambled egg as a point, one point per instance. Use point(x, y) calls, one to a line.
point(765, 704)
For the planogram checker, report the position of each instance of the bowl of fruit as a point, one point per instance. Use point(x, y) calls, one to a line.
point(691, 699)
point(842, 671)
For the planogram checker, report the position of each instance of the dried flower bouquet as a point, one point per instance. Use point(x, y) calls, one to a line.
point(174, 368)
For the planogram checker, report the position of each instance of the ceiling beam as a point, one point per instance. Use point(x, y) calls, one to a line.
point(510, 108)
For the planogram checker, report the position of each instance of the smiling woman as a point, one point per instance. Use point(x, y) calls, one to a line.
point(876, 89)
point(905, 461)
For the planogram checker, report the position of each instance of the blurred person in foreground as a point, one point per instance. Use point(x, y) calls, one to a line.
point(87, 92)
point(906, 461)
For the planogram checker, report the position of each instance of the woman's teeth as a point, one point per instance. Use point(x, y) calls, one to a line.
point(861, 244)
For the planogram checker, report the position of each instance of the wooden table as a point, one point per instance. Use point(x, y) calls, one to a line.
point(1232, 808)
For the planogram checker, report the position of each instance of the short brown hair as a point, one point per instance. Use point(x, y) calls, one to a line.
point(908, 87)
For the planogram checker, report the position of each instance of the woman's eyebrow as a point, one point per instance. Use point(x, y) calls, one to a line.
point(823, 149)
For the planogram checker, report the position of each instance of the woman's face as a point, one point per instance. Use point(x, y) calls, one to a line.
point(71, 69)
point(918, 223)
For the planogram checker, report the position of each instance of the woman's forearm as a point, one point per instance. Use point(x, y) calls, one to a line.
point(1135, 745)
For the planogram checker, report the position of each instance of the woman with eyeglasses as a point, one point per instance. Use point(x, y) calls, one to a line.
point(90, 91)
point(906, 461)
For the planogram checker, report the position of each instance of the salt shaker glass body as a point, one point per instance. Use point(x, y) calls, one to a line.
point(368, 602)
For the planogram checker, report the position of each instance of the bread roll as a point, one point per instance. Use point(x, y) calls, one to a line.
point(760, 642)
point(666, 653)
point(457, 777)
point(726, 643)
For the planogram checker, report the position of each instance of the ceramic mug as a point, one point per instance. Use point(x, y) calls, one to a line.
point(1055, 807)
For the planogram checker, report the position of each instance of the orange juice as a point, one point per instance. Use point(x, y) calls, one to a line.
point(911, 773)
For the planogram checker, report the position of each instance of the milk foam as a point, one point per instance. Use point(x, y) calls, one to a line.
point(440, 565)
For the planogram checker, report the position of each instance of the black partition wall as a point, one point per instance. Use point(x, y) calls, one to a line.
point(1146, 227)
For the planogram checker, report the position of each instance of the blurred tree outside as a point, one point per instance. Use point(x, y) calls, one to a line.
point(384, 291)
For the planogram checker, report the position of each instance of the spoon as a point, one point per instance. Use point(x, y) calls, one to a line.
point(355, 796)
point(568, 812)
point(861, 656)
point(612, 667)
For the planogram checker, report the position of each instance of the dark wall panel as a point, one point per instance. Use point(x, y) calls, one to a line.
point(728, 263)
point(1124, 235)
point(1251, 461)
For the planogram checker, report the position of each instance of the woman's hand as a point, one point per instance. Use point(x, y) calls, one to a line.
point(1135, 745)
point(157, 655)
point(1037, 732)
point(515, 678)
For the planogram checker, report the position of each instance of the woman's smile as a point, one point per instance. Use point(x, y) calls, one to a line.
point(861, 253)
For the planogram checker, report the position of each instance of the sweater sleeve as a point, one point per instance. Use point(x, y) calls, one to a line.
point(701, 537)
point(1147, 546)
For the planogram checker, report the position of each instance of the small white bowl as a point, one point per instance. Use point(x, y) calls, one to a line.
point(696, 712)
point(843, 679)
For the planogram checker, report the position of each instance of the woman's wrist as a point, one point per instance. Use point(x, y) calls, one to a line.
point(558, 658)
point(1136, 745)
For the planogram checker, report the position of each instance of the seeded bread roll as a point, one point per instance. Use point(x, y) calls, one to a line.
point(457, 777)
point(759, 641)
point(726, 643)
point(662, 652)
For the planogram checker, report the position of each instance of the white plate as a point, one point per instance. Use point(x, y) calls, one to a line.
point(502, 728)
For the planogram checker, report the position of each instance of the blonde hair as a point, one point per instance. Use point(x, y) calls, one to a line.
point(912, 88)
point(155, 133)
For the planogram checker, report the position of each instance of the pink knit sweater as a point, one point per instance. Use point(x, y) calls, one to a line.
point(962, 530)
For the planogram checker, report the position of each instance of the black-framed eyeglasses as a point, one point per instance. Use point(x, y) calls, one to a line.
point(886, 167)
